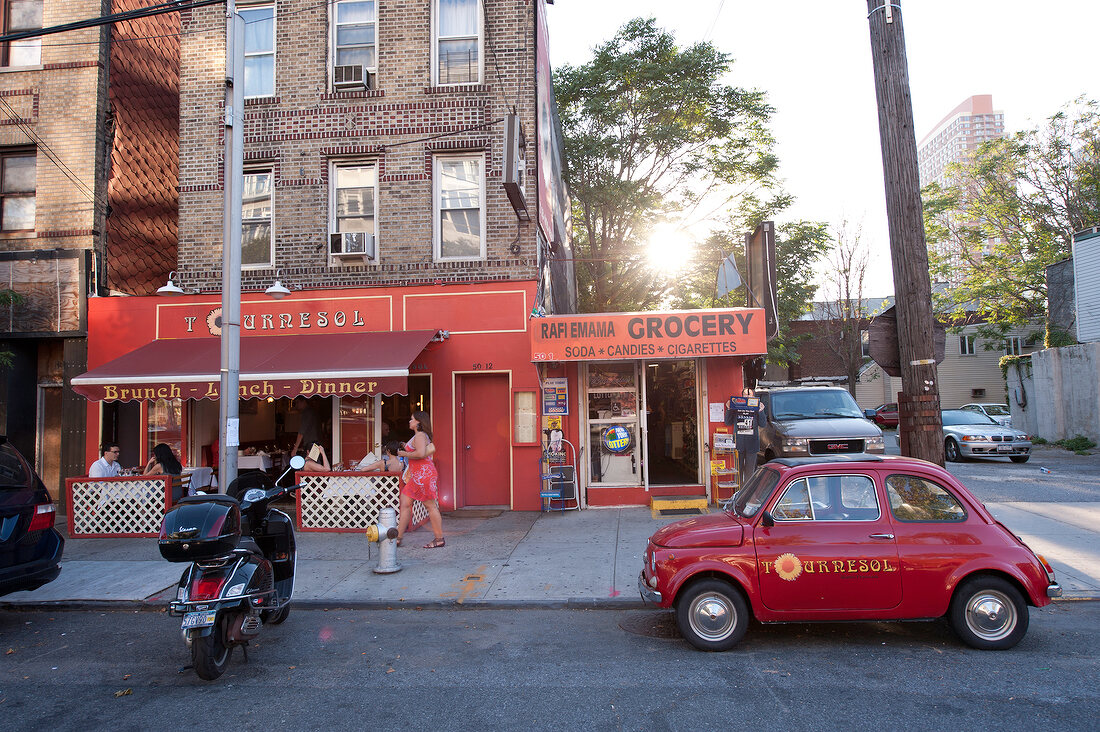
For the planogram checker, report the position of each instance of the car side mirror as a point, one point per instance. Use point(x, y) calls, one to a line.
point(769, 520)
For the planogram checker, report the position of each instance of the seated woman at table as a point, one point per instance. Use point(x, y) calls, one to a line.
point(313, 465)
point(389, 462)
point(163, 462)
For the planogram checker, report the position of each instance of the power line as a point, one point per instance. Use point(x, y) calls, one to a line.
point(171, 7)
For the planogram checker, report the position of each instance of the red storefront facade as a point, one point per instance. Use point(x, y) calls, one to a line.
point(365, 357)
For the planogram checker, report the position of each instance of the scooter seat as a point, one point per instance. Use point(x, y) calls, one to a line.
point(211, 498)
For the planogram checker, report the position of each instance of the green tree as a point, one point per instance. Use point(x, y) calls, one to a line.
point(8, 298)
point(650, 132)
point(798, 246)
point(1011, 211)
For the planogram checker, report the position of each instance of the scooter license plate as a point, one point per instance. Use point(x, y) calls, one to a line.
point(198, 620)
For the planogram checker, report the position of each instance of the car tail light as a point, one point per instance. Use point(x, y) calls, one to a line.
point(44, 514)
point(1046, 567)
point(207, 587)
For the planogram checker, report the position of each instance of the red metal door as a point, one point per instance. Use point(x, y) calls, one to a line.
point(483, 447)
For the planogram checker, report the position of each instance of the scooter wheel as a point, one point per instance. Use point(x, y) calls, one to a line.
point(274, 617)
point(210, 653)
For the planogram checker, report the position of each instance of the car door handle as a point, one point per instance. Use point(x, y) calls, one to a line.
point(882, 536)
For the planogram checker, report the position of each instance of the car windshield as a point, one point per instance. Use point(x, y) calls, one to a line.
point(747, 501)
point(958, 416)
point(999, 410)
point(814, 404)
point(12, 472)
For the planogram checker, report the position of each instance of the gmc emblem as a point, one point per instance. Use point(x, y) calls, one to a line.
point(837, 446)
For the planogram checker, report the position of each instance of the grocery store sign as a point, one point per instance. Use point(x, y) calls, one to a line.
point(674, 334)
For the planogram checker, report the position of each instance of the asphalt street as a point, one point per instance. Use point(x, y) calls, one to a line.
point(559, 669)
point(1072, 477)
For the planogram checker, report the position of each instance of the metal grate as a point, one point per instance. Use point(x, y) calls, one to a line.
point(679, 511)
point(116, 506)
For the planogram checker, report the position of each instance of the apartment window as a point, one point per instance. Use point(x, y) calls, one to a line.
point(458, 41)
point(966, 345)
point(256, 215)
point(17, 184)
point(1014, 346)
point(865, 343)
point(354, 33)
point(353, 203)
point(259, 50)
point(460, 191)
point(21, 15)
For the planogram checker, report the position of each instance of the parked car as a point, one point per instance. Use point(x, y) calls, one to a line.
point(999, 413)
point(853, 537)
point(30, 547)
point(884, 415)
point(814, 420)
point(970, 434)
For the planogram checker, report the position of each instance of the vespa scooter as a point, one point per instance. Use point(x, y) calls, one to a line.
point(241, 575)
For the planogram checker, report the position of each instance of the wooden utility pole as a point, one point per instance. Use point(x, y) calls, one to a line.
point(919, 425)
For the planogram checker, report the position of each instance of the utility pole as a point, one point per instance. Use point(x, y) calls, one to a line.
point(233, 177)
point(920, 426)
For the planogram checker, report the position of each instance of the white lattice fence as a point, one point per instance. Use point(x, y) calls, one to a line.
point(100, 507)
point(351, 501)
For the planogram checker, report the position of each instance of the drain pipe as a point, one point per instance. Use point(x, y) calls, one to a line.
point(385, 533)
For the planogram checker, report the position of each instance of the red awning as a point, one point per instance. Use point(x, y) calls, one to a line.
point(354, 365)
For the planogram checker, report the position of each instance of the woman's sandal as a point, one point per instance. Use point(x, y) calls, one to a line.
point(436, 543)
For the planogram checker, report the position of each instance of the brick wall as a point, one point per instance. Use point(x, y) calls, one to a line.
point(306, 125)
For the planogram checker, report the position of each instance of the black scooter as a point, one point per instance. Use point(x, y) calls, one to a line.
point(242, 557)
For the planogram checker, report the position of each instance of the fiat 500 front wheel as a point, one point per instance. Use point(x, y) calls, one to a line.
point(988, 613)
point(712, 615)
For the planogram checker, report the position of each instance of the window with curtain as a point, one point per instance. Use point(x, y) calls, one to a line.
point(20, 15)
point(354, 34)
point(458, 42)
point(17, 189)
point(256, 218)
point(259, 50)
point(459, 199)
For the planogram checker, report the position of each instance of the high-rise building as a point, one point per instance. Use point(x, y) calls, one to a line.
point(954, 140)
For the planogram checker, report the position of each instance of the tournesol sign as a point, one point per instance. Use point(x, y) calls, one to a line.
point(675, 334)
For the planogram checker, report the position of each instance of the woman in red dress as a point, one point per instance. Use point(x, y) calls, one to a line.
point(421, 481)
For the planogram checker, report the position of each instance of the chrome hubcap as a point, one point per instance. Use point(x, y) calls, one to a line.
point(712, 617)
point(990, 615)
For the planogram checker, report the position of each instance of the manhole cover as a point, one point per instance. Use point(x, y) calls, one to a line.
point(680, 512)
point(651, 624)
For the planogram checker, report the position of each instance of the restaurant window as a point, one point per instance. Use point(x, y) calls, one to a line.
point(612, 396)
point(17, 189)
point(22, 15)
point(259, 50)
point(457, 42)
point(256, 216)
point(353, 207)
point(354, 35)
point(164, 423)
point(367, 423)
point(459, 197)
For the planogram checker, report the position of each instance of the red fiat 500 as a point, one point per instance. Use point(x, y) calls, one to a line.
point(858, 537)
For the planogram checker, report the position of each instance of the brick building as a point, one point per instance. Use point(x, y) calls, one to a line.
point(415, 225)
point(87, 206)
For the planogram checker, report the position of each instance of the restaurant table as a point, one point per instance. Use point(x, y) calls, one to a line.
point(201, 477)
point(254, 462)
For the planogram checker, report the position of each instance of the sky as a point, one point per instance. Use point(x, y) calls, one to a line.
point(813, 58)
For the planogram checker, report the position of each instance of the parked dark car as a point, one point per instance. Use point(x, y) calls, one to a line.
point(814, 420)
point(30, 547)
point(884, 415)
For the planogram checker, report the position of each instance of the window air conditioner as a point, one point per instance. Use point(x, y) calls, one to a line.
point(348, 78)
point(349, 244)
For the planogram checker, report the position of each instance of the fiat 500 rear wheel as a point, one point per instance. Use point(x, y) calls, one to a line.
point(989, 613)
point(712, 615)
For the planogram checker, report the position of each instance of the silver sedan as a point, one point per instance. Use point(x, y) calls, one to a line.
point(970, 434)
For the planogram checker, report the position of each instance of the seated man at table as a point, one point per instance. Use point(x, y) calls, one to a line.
point(107, 466)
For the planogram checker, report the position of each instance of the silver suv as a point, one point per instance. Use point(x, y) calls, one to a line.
point(814, 420)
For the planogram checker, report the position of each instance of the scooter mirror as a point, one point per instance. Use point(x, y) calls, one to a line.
point(297, 462)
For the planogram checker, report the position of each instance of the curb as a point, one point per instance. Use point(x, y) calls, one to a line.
point(571, 603)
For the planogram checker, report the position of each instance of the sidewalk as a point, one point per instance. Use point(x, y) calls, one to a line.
point(574, 559)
